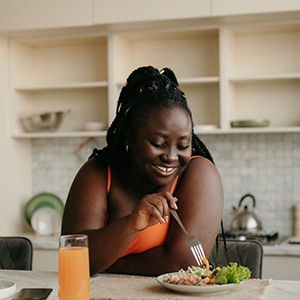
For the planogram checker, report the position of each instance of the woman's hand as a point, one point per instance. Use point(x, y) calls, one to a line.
point(151, 209)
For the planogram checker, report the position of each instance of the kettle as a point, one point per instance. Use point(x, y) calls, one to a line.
point(245, 219)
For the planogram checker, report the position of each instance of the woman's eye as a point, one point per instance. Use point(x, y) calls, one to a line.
point(183, 147)
point(157, 145)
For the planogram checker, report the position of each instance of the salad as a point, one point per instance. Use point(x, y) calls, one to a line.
point(198, 276)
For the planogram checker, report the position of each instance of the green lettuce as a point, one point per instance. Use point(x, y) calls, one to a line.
point(233, 273)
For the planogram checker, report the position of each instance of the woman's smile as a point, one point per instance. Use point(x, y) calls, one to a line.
point(165, 171)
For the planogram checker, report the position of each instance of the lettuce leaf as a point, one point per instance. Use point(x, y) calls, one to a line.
point(233, 273)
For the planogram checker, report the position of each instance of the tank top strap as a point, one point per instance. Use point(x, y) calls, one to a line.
point(108, 179)
point(174, 183)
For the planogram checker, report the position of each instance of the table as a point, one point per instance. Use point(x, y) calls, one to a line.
point(104, 283)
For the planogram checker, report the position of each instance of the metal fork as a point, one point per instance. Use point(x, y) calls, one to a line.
point(193, 242)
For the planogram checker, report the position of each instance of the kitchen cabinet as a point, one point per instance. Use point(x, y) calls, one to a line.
point(236, 7)
point(228, 71)
point(37, 14)
point(281, 267)
point(60, 74)
point(45, 260)
point(115, 11)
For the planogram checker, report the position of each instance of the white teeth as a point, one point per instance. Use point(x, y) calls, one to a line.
point(165, 169)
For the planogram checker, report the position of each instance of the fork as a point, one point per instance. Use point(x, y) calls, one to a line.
point(193, 242)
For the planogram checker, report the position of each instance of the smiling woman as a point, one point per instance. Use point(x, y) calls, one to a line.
point(121, 196)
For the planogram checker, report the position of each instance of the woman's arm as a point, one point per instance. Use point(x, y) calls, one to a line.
point(86, 212)
point(200, 207)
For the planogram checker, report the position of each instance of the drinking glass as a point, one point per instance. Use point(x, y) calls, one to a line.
point(73, 268)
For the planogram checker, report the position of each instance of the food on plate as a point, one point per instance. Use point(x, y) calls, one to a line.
point(198, 276)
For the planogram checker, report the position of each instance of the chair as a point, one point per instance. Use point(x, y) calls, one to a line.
point(15, 253)
point(247, 253)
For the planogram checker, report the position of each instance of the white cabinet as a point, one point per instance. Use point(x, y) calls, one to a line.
point(192, 54)
point(37, 14)
point(281, 267)
point(238, 7)
point(228, 72)
point(262, 74)
point(60, 74)
point(116, 11)
point(45, 260)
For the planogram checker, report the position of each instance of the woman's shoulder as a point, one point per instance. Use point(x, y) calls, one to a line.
point(92, 169)
point(201, 161)
point(201, 166)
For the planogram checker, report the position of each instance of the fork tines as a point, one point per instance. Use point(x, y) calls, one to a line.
point(198, 253)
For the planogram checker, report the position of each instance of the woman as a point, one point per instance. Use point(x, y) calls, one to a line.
point(152, 161)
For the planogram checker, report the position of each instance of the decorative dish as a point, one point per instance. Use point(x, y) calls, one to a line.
point(46, 221)
point(42, 200)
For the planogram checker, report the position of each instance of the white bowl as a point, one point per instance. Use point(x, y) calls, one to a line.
point(94, 126)
point(44, 121)
point(7, 289)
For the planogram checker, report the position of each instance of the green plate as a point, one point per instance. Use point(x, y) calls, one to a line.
point(250, 123)
point(42, 200)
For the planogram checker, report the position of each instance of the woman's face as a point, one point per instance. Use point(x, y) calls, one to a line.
point(161, 146)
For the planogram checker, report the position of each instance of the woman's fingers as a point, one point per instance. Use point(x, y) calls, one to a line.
point(171, 200)
point(155, 208)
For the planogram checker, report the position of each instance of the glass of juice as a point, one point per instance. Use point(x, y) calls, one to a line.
point(73, 268)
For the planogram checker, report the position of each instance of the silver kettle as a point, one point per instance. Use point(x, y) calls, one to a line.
point(245, 219)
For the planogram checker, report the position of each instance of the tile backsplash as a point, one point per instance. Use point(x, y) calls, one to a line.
point(265, 165)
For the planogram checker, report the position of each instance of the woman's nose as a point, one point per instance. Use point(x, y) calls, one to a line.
point(170, 155)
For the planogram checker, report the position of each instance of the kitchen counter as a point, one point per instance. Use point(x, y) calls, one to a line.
point(284, 248)
point(43, 242)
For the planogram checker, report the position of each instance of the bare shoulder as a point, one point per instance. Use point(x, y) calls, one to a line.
point(199, 165)
point(86, 202)
point(201, 177)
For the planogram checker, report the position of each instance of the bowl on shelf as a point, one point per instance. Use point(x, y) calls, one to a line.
point(250, 123)
point(44, 121)
point(94, 126)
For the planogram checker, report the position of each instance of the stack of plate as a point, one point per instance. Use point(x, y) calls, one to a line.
point(43, 213)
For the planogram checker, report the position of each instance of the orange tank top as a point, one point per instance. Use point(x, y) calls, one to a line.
point(150, 237)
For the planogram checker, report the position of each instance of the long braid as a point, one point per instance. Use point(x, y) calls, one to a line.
point(146, 89)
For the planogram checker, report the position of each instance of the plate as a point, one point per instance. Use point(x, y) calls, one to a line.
point(46, 221)
point(207, 289)
point(250, 123)
point(7, 289)
point(43, 200)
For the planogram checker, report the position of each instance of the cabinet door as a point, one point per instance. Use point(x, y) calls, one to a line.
point(235, 7)
point(37, 14)
point(117, 11)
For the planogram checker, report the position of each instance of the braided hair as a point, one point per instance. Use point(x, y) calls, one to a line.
point(146, 89)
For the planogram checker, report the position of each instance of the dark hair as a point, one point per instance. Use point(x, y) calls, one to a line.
point(146, 89)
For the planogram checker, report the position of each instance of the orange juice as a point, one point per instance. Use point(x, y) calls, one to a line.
point(74, 274)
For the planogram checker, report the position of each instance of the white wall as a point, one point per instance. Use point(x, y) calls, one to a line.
point(15, 160)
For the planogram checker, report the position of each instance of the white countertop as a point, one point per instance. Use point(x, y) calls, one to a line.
point(283, 249)
point(278, 289)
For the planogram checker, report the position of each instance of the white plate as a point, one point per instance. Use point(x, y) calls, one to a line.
point(7, 289)
point(207, 289)
point(46, 221)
